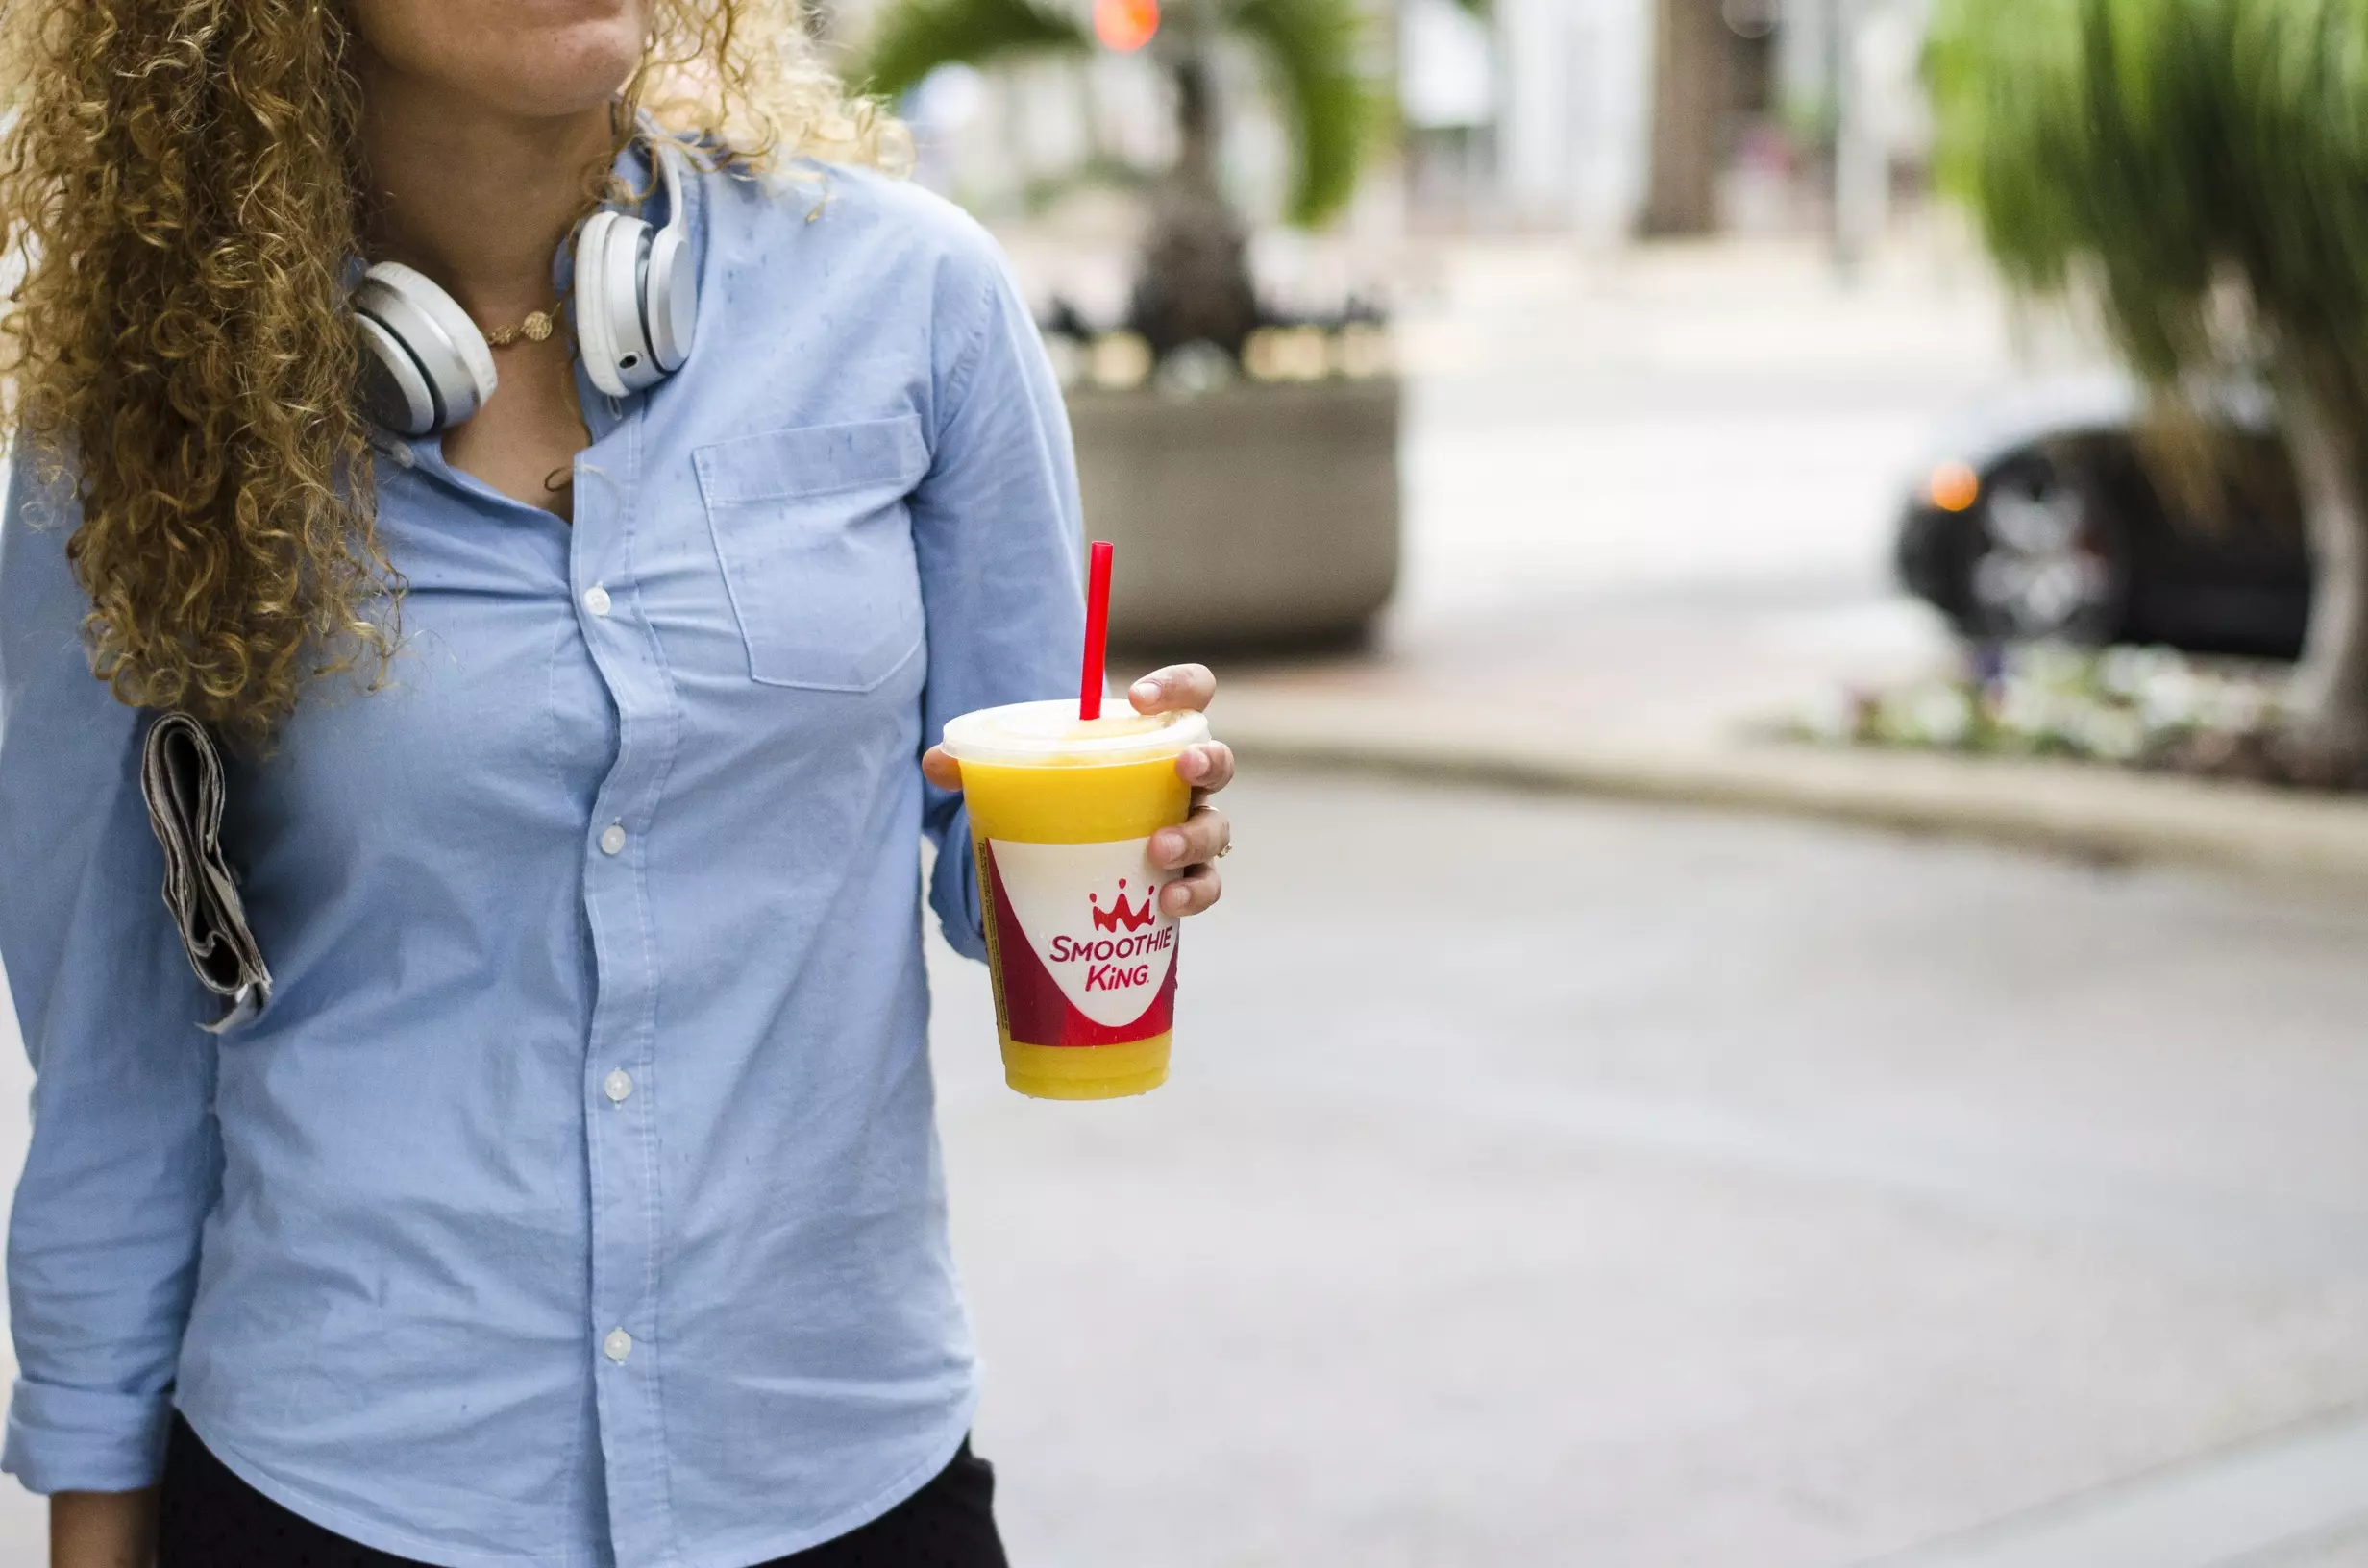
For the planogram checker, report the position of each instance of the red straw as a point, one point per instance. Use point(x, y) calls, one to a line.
point(1097, 632)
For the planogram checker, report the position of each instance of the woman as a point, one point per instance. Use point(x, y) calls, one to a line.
point(576, 1199)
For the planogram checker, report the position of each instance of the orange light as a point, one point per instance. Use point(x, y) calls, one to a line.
point(1955, 487)
point(1125, 25)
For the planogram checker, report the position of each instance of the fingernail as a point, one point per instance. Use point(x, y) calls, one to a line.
point(1193, 762)
point(1145, 691)
point(1170, 848)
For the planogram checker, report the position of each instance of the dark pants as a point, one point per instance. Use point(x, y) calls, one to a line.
point(211, 1519)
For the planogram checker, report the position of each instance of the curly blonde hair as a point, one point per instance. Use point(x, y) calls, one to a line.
point(180, 186)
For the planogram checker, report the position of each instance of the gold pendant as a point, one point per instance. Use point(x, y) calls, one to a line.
point(534, 330)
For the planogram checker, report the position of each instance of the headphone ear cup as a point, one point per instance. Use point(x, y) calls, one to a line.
point(611, 262)
point(394, 390)
point(595, 339)
point(425, 365)
point(637, 296)
point(670, 299)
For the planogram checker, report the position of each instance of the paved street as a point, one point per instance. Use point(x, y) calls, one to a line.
point(1551, 1183)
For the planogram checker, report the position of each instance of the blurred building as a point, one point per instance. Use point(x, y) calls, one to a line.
point(1614, 119)
point(1607, 119)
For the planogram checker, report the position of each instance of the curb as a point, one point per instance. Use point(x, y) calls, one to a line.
point(2077, 811)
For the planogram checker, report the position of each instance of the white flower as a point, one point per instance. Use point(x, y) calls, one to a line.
point(1941, 715)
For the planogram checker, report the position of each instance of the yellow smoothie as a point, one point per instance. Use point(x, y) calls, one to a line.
point(1083, 962)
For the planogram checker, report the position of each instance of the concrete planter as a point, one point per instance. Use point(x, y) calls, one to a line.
point(1258, 515)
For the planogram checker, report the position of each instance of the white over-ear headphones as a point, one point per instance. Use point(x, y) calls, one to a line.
point(426, 366)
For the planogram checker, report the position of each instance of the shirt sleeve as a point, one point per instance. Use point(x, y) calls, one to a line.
point(103, 1242)
point(996, 525)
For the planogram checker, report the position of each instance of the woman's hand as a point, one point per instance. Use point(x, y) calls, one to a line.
point(1195, 847)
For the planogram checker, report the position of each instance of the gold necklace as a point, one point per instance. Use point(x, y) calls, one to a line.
point(534, 330)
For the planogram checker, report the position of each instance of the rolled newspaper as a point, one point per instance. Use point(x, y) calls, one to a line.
point(181, 776)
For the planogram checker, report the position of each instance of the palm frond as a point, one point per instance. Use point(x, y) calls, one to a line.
point(1312, 49)
point(2170, 148)
point(913, 37)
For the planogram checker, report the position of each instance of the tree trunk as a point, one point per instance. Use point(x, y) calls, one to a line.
point(1693, 93)
point(2328, 699)
point(1194, 285)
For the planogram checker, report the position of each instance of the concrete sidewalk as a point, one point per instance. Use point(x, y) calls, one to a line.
point(2086, 812)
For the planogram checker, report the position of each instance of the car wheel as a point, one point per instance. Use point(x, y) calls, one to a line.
point(2047, 558)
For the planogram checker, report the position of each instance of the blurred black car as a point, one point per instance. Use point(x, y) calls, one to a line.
point(2041, 518)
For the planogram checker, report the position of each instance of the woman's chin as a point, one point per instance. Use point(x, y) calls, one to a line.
point(554, 95)
point(517, 57)
point(564, 72)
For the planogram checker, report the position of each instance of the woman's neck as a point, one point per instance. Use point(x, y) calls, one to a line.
point(477, 200)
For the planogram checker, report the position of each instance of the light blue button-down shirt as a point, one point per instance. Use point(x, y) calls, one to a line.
point(578, 1200)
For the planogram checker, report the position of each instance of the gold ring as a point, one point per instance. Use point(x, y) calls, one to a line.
point(1227, 850)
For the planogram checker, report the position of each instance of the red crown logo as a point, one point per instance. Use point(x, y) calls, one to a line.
point(1120, 914)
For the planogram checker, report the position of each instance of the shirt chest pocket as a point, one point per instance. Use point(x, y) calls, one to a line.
point(816, 546)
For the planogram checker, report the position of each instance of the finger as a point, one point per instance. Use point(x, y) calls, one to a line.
point(939, 768)
point(1177, 686)
point(1203, 837)
point(1193, 893)
point(1207, 768)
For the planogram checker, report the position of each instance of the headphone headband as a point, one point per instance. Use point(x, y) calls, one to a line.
point(668, 155)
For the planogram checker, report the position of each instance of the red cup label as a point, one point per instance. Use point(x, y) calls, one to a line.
point(1084, 956)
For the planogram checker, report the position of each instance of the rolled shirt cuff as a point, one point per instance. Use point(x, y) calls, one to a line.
point(62, 1439)
point(960, 910)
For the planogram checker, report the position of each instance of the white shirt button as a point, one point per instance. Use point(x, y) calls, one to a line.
point(618, 1345)
point(618, 1085)
point(596, 600)
point(612, 839)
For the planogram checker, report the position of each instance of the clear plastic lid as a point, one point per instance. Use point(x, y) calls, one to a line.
point(1051, 735)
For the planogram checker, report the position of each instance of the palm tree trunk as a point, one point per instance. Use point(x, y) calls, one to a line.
point(2328, 699)
point(1693, 92)
point(1194, 283)
point(1195, 119)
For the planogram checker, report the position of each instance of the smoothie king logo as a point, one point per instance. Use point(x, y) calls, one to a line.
point(1121, 959)
point(1085, 955)
point(1118, 915)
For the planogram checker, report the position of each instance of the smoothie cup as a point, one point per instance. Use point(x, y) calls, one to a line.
point(1062, 811)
